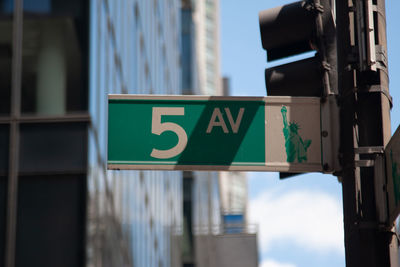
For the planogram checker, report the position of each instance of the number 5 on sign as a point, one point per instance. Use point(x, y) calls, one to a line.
point(158, 127)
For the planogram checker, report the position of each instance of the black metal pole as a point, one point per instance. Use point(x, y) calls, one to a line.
point(365, 122)
point(346, 103)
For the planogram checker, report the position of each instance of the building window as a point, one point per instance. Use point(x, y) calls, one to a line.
point(136, 13)
point(5, 65)
point(53, 76)
point(53, 147)
point(55, 200)
point(54, 58)
point(6, 6)
point(54, 7)
point(4, 148)
point(37, 6)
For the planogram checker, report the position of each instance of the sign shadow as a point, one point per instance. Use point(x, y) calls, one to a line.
point(224, 135)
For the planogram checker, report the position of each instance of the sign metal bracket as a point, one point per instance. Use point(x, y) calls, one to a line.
point(370, 150)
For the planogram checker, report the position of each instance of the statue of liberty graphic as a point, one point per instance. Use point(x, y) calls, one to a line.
point(296, 148)
point(396, 179)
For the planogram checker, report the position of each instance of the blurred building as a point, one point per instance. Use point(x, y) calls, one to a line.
point(135, 217)
point(59, 206)
point(233, 188)
point(201, 206)
point(44, 124)
point(233, 191)
point(206, 19)
point(215, 226)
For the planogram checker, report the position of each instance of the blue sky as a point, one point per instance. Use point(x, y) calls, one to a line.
point(300, 219)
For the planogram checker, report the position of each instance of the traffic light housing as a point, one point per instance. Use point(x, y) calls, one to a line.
point(294, 29)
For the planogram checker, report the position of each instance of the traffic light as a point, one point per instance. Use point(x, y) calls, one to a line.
point(294, 29)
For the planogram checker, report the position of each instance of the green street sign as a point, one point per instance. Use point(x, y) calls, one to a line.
point(214, 133)
point(392, 156)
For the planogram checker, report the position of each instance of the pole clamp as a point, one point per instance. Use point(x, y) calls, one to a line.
point(368, 150)
point(313, 6)
point(381, 56)
point(326, 66)
point(318, 7)
point(373, 225)
point(376, 88)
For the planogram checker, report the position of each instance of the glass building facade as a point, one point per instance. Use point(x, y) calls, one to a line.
point(135, 217)
point(206, 18)
point(44, 124)
point(59, 206)
point(200, 18)
point(215, 204)
point(201, 212)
